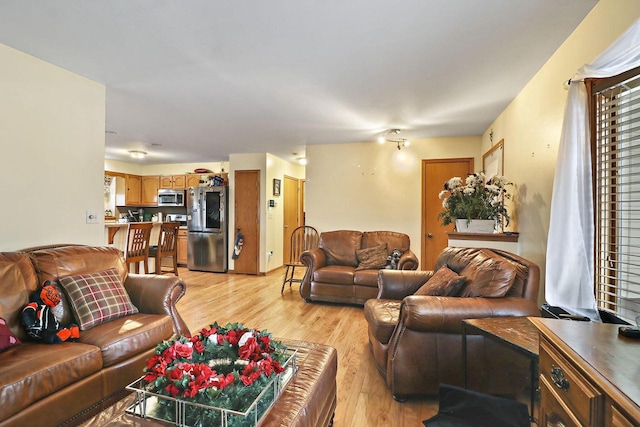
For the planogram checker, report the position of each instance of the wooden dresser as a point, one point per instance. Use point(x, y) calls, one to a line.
point(589, 375)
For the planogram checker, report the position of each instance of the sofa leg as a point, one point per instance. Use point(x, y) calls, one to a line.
point(400, 399)
point(307, 300)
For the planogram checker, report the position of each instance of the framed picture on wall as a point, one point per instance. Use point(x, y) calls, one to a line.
point(276, 187)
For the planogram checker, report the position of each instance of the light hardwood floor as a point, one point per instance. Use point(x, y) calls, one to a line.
point(363, 397)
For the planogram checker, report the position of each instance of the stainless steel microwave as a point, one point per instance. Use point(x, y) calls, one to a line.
point(170, 197)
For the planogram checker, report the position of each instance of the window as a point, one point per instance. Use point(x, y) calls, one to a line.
point(615, 125)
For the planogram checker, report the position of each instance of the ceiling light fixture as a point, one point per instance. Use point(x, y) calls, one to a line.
point(302, 160)
point(391, 136)
point(137, 154)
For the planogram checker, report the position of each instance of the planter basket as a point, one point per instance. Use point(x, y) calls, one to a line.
point(475, 226)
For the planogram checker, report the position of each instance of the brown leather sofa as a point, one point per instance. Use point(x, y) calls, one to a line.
point(48, 384)
point(416, 340)
point(334, 269)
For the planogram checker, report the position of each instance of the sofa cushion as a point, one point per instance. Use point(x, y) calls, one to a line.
point(338, 274)
point(366, 278)
point(122, 338)
point(374, 257)
point(52, 263)
point(443, 283)
point(488, 277)
point(382, 318)
point(7, 339)
point(393, 240)
point(18, 280)
point(340, 247)
point(32, 371)
point(97, 297)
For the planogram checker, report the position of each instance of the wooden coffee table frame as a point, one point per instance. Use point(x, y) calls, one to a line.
point(517, 333)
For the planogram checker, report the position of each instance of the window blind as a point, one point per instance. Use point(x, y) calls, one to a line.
point(617, 198)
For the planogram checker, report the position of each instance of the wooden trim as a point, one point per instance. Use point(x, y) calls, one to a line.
point(489, 237)
point(423, 183)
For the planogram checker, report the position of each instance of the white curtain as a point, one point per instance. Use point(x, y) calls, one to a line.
point(570, 247)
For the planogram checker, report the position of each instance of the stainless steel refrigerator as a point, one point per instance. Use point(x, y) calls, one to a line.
point(207, 224)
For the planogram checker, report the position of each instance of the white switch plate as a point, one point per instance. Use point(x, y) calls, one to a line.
point(92, 217)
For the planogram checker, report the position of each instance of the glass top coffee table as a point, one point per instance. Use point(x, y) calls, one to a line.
point(517, 333)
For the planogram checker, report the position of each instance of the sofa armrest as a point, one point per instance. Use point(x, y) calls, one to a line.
point(397, 284)
point(445, 314)
point(154, 294)
point(408, 261)
point(312, 260)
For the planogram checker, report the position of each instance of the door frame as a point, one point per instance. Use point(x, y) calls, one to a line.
point(423, 236)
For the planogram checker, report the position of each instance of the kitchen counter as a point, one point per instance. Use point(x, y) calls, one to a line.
point(119, 240)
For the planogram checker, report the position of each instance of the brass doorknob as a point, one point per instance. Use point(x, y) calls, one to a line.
point(430, 235)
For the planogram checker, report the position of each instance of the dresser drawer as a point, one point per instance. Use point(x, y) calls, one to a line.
point(553, 412)
point(574, 391)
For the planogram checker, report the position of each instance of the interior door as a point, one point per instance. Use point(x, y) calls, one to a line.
point(291, 216)
point(247, 220)
point(434, 174)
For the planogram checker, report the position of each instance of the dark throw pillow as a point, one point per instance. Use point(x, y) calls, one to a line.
point(373, 258)
point(444, 283)
point(97, 297)
point(7, 339)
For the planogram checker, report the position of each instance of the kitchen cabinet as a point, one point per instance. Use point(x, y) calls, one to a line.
point(173, 181)
point(149, 190)
point(587, 375)
point(133, 194)
point(193, 180)
point(182, 246)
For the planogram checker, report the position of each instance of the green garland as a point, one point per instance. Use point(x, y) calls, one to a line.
point(222, 366)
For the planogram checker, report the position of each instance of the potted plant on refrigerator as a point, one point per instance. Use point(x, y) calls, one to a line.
point(475, 204)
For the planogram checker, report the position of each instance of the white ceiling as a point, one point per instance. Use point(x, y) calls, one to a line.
point(204, 78)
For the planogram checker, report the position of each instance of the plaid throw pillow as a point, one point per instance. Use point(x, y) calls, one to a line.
point(97, 297)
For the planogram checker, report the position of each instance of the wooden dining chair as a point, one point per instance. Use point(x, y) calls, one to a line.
point(137, 248)
point(167, 247)
point(303, 239)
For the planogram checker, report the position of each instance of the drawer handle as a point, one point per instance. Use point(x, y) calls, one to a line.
point(557, 375)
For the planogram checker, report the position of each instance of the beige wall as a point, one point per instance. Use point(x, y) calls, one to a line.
point(271, 219)
point(367, 186)
point(52, 125)
point(531, 125)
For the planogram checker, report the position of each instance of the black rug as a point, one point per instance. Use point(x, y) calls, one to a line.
point(465, 408)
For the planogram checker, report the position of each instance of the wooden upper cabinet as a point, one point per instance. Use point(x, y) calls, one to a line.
point(149, 189)
point(133, 194)
point(166, 181)
point(192, 180)
point(173, 181)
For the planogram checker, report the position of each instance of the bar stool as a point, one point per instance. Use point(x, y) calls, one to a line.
point(167, 247)
point(137, 249)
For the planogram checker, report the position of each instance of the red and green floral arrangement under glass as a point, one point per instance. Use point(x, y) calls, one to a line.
point(226, 367)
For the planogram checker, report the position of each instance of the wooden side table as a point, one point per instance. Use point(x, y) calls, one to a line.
point(517, 333)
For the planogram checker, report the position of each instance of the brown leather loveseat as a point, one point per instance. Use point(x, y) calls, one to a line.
point(344, 268)
point(415, 323)
point(47, 384)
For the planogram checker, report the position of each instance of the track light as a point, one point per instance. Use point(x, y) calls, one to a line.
point(391, 136)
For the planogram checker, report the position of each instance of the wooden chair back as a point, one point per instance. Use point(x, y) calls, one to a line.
point(137, 249)
point(303, 238)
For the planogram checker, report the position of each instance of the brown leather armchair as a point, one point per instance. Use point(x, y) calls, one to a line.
point(416, 340)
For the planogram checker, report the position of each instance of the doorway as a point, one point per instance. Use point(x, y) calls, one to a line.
point(434, 174)
point(247, 220)
point(292, 217)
